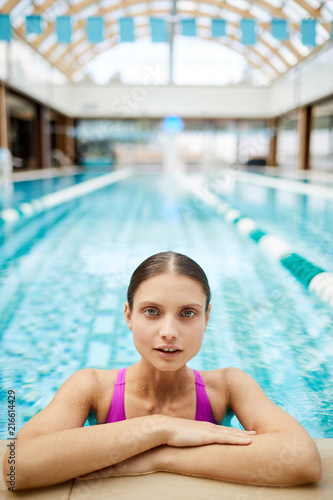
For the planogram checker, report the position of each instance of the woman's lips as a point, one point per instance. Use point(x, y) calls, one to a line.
point(166, 353)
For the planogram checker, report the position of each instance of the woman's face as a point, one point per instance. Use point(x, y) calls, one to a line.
point(168, 320)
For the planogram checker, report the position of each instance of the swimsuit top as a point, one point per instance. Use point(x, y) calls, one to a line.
point(117, 408)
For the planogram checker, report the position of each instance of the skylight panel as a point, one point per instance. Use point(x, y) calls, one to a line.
point(18, 13)
point(269, 38)
point(135, 9)
point(260, 79)
point(89, 11)
point(302, 49)
point(17, 21)
point(276, 3)
point(288, 55)
point(269, 71)
point(47, 43)
point(240, 4)
point(322, 34)
point(314, 3)
point(159, 5)
point(75, 2)
point(290, 13)
point(298, 9)
point(239, 47)
point(78, 34)
point(260, 14)
point(278, 64)
point(120, 13)
point(327, 12)
point(86, 57)
point(109, 17)
point(143, 31)
point(57, 52)
point(66, 60)
point(263, 49)
point(232, 30)
point(81, 47)
point(209, 9)
point(228, 15)
point(139, 20)
point(58, 8)
point(101, 47)
point(252, 56)
point(187, 5)
point(203, 31)
point(204, 21)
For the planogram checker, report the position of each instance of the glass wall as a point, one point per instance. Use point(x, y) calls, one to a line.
point(201, 141)
point(22, 131)
point(321, 144)
point(287, 141)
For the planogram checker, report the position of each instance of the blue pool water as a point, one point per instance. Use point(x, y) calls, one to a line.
point(26, 191)
point(305, 222)
point(62, 293)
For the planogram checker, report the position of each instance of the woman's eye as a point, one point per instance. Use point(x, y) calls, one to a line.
point(188, 314)
point(151, 312)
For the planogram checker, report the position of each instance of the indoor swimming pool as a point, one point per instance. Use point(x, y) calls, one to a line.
point(63, 288)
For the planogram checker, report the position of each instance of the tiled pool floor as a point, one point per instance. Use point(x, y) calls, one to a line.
point(165, 486)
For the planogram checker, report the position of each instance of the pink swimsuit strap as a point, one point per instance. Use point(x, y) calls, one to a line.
point(117, 409)
point(204, 411)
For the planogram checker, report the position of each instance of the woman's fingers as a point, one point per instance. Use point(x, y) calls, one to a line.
point(193, 433)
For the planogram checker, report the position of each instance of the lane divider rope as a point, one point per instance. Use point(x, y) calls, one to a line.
point(314, 278)
point(10, 216)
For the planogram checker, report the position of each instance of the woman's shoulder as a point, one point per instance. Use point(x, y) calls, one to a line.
point(222, 382)
point(222, 376)
point(103, 382)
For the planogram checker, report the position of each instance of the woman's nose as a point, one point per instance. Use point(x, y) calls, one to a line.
point(168, 329)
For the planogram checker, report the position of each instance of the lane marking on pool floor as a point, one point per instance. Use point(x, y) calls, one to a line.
point(10, 216)
point(314, 278)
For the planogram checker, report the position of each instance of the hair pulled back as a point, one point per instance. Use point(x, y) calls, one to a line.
point(172, 262)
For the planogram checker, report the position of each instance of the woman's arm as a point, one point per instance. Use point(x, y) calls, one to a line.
point(54, 446)
point(281, 454)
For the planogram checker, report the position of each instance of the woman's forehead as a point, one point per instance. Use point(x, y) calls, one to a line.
point(168, 283)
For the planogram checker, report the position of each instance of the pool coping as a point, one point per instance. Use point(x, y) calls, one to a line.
point(164, 486)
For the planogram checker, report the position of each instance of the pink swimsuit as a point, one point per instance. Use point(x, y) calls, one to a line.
point(117, 408)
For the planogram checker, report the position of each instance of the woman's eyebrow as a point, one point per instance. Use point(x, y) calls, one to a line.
point(151, 303)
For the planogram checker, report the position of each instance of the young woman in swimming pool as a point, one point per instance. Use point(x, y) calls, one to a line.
point(165, 417)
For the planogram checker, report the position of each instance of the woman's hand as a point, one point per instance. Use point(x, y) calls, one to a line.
point(182, 432)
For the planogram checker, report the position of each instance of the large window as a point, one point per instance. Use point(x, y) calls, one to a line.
point(321, 144)
point(287, 141)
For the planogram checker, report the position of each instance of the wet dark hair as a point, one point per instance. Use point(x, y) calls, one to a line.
point(172, 262)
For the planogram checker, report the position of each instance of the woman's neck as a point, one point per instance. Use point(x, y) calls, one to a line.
point(158, 385)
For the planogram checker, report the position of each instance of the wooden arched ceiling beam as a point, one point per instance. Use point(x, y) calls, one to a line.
point(72, 69)
point(5, 9)
point(79, 7)
point(226, 43)
point(75, 9)
point(148, 13)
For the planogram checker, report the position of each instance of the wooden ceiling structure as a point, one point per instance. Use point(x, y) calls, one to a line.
point(269, 56)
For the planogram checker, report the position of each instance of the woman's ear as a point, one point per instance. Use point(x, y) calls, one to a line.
point(207, 315)
point(128, 314)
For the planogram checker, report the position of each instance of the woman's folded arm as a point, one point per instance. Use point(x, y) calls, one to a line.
point(271, 459)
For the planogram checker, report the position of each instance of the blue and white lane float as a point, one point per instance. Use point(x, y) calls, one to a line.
point(10, 216)
point(314, 278)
